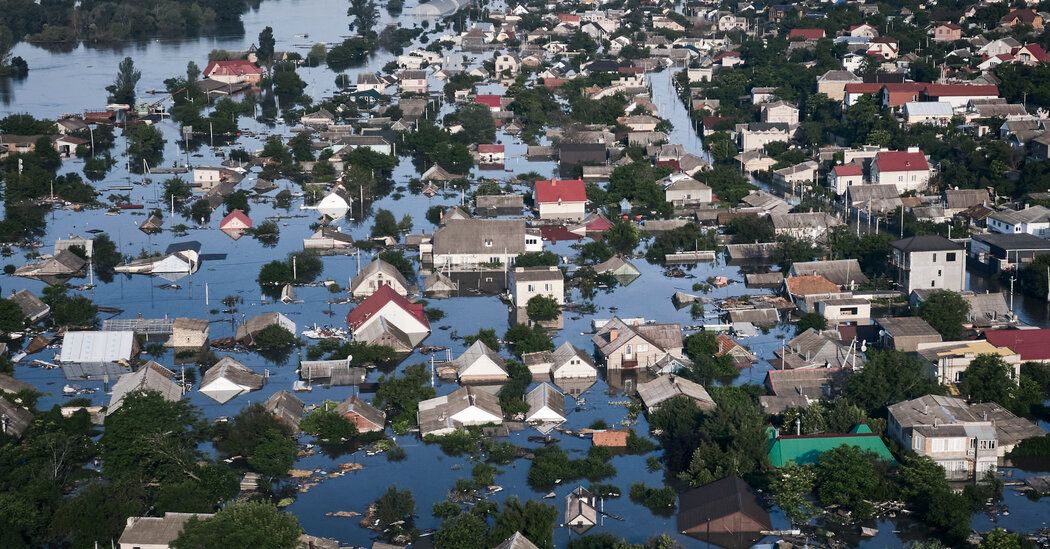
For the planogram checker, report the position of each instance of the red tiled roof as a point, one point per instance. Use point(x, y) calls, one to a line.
point(863, 87)
point(810, 285)
point(375, 302)
point(563, 190)
point(239, 67)
point(490, 101)
point(236, 214)
point(1030, 344)
point(554, 83)
point(847, 170)
point(951, 26)
point(806, 34)
point(611, 438)
point(485, 148)
point(630, 70)
point(901, 161)
point(1036, 50)
point(960, 90)
point(568, 18)
point(599, 224)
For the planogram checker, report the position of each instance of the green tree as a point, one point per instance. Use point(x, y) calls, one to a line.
point(123, 88)
point(385, 224)
point(70, 311)
point(889, 377)
point(403, 264)
point(274, 337)
point(485, 335)
point(1002, 539)
point(11, 317)
point(394, 512)
point(145, 146)
point(537, 259)
point(852, 478)
point(328, 425)
point(815, 321)
point(702, 348)
point(243, 524)
point(791, 488)
point(258, 436)
point(463, 531)
point(750, 229)
point(265, 49)
point(533, 519)
point(542, 308)
point(523, 339)
point(945, 311)
point(400, 396)
point(237, 200)
point(177, 189)
point(622, 237)
point(988, 378)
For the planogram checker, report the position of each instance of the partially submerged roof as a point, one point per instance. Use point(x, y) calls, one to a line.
point(806, 449)
point(87, 347)
point(150, 377)
point(655, 392)
point(155, 531)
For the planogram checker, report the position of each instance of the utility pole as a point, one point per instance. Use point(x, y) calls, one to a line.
point(295, 270)
point(1012, 278)
point(206, 296)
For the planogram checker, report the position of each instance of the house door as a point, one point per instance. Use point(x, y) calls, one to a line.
point(629, 352)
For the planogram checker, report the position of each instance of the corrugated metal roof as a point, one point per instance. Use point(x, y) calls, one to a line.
point(97, 346)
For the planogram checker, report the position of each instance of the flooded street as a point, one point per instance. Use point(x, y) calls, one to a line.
point(60, 83)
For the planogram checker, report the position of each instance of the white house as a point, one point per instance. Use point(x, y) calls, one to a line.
point(376, 274)
point(561, 198)
point(682, 190)
point(229, 378)
point(842, 177)
point(530, 282)
point(387, 318)
point(336, 203)
point(929, 262)
point(908, 170)
point(480, 364)
point(1034, 220)
point(546, 407)
point(464, 407)
point(569, 362)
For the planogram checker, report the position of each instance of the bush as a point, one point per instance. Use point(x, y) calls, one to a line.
point(274, 337)
point(661, 501)
point(551, 466)
point(327, 425)
point(542, 308)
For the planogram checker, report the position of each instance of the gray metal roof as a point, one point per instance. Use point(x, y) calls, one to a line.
point(88, 347)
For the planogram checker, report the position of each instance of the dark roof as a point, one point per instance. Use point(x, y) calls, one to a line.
point(1014, 241)
point(700, 508)
point(176, 247)
point(925, 243)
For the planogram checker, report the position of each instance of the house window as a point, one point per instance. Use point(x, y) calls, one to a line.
point(630, 350)
point(643, 348)
point(939, 272)
point(530, 287)
point(848, 311)
point(951, 256)
point(488, 243)
point(547, 287)
point(935, 258)
point(933, 283)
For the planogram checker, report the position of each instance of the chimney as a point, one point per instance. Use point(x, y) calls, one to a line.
point(613, 334)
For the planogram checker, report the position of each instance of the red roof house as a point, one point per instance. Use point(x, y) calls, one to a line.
point(490, 153)
point(235, 221)
point(1032, 345)
point(234, 71)
point(388, 318)
point(805, 34)
point(846, 170)
point(493, 102)
point(561, 198)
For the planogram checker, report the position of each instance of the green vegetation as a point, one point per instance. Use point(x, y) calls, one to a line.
point(328, 425)
point(537, 259)
point(485, 335)
point(274, 337)
point(523, 339)
point(298, 268)
point(661, 501)
point(258, 436)
point(243, 524)
point(542, 308)
point(815, 321)
point(394, 512)
point(123, 88)
point(686, 238)
point(551, 464)
point(400, 396)
point(701, 348)
point(70, 311)
point(946, 312)
point(11, 317)
point(512, 394)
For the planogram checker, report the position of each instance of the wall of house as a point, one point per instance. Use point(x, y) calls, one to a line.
point(563, 210)
point(915, 180)
point(526, 290)
point(641, 351)
point(943, 270)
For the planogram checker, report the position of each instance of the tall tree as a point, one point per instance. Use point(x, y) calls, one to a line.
point(243, 524)
point(123, 88)
point(264, 51)
point(945, 311)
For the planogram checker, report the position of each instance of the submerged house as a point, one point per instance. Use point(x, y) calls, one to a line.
point(179, 260)
point(364, 416)
point(229, 378)
point(628, 346)
point(376, 274)
point(665, 387)
point(464, 407)
point(14, 419)
point(150, 377)
point(32, 307)
point(63, 264)
point(387, 318)
point(246, 332)
point(188, 333)
point(581, 513)
point(725, 513)
point(480, 364)
point(785, 450)
point(546, 407)
point(287, 408)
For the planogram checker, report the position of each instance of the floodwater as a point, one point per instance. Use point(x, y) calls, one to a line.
point(426, 471)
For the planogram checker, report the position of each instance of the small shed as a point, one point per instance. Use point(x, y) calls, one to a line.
point(287, 408)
